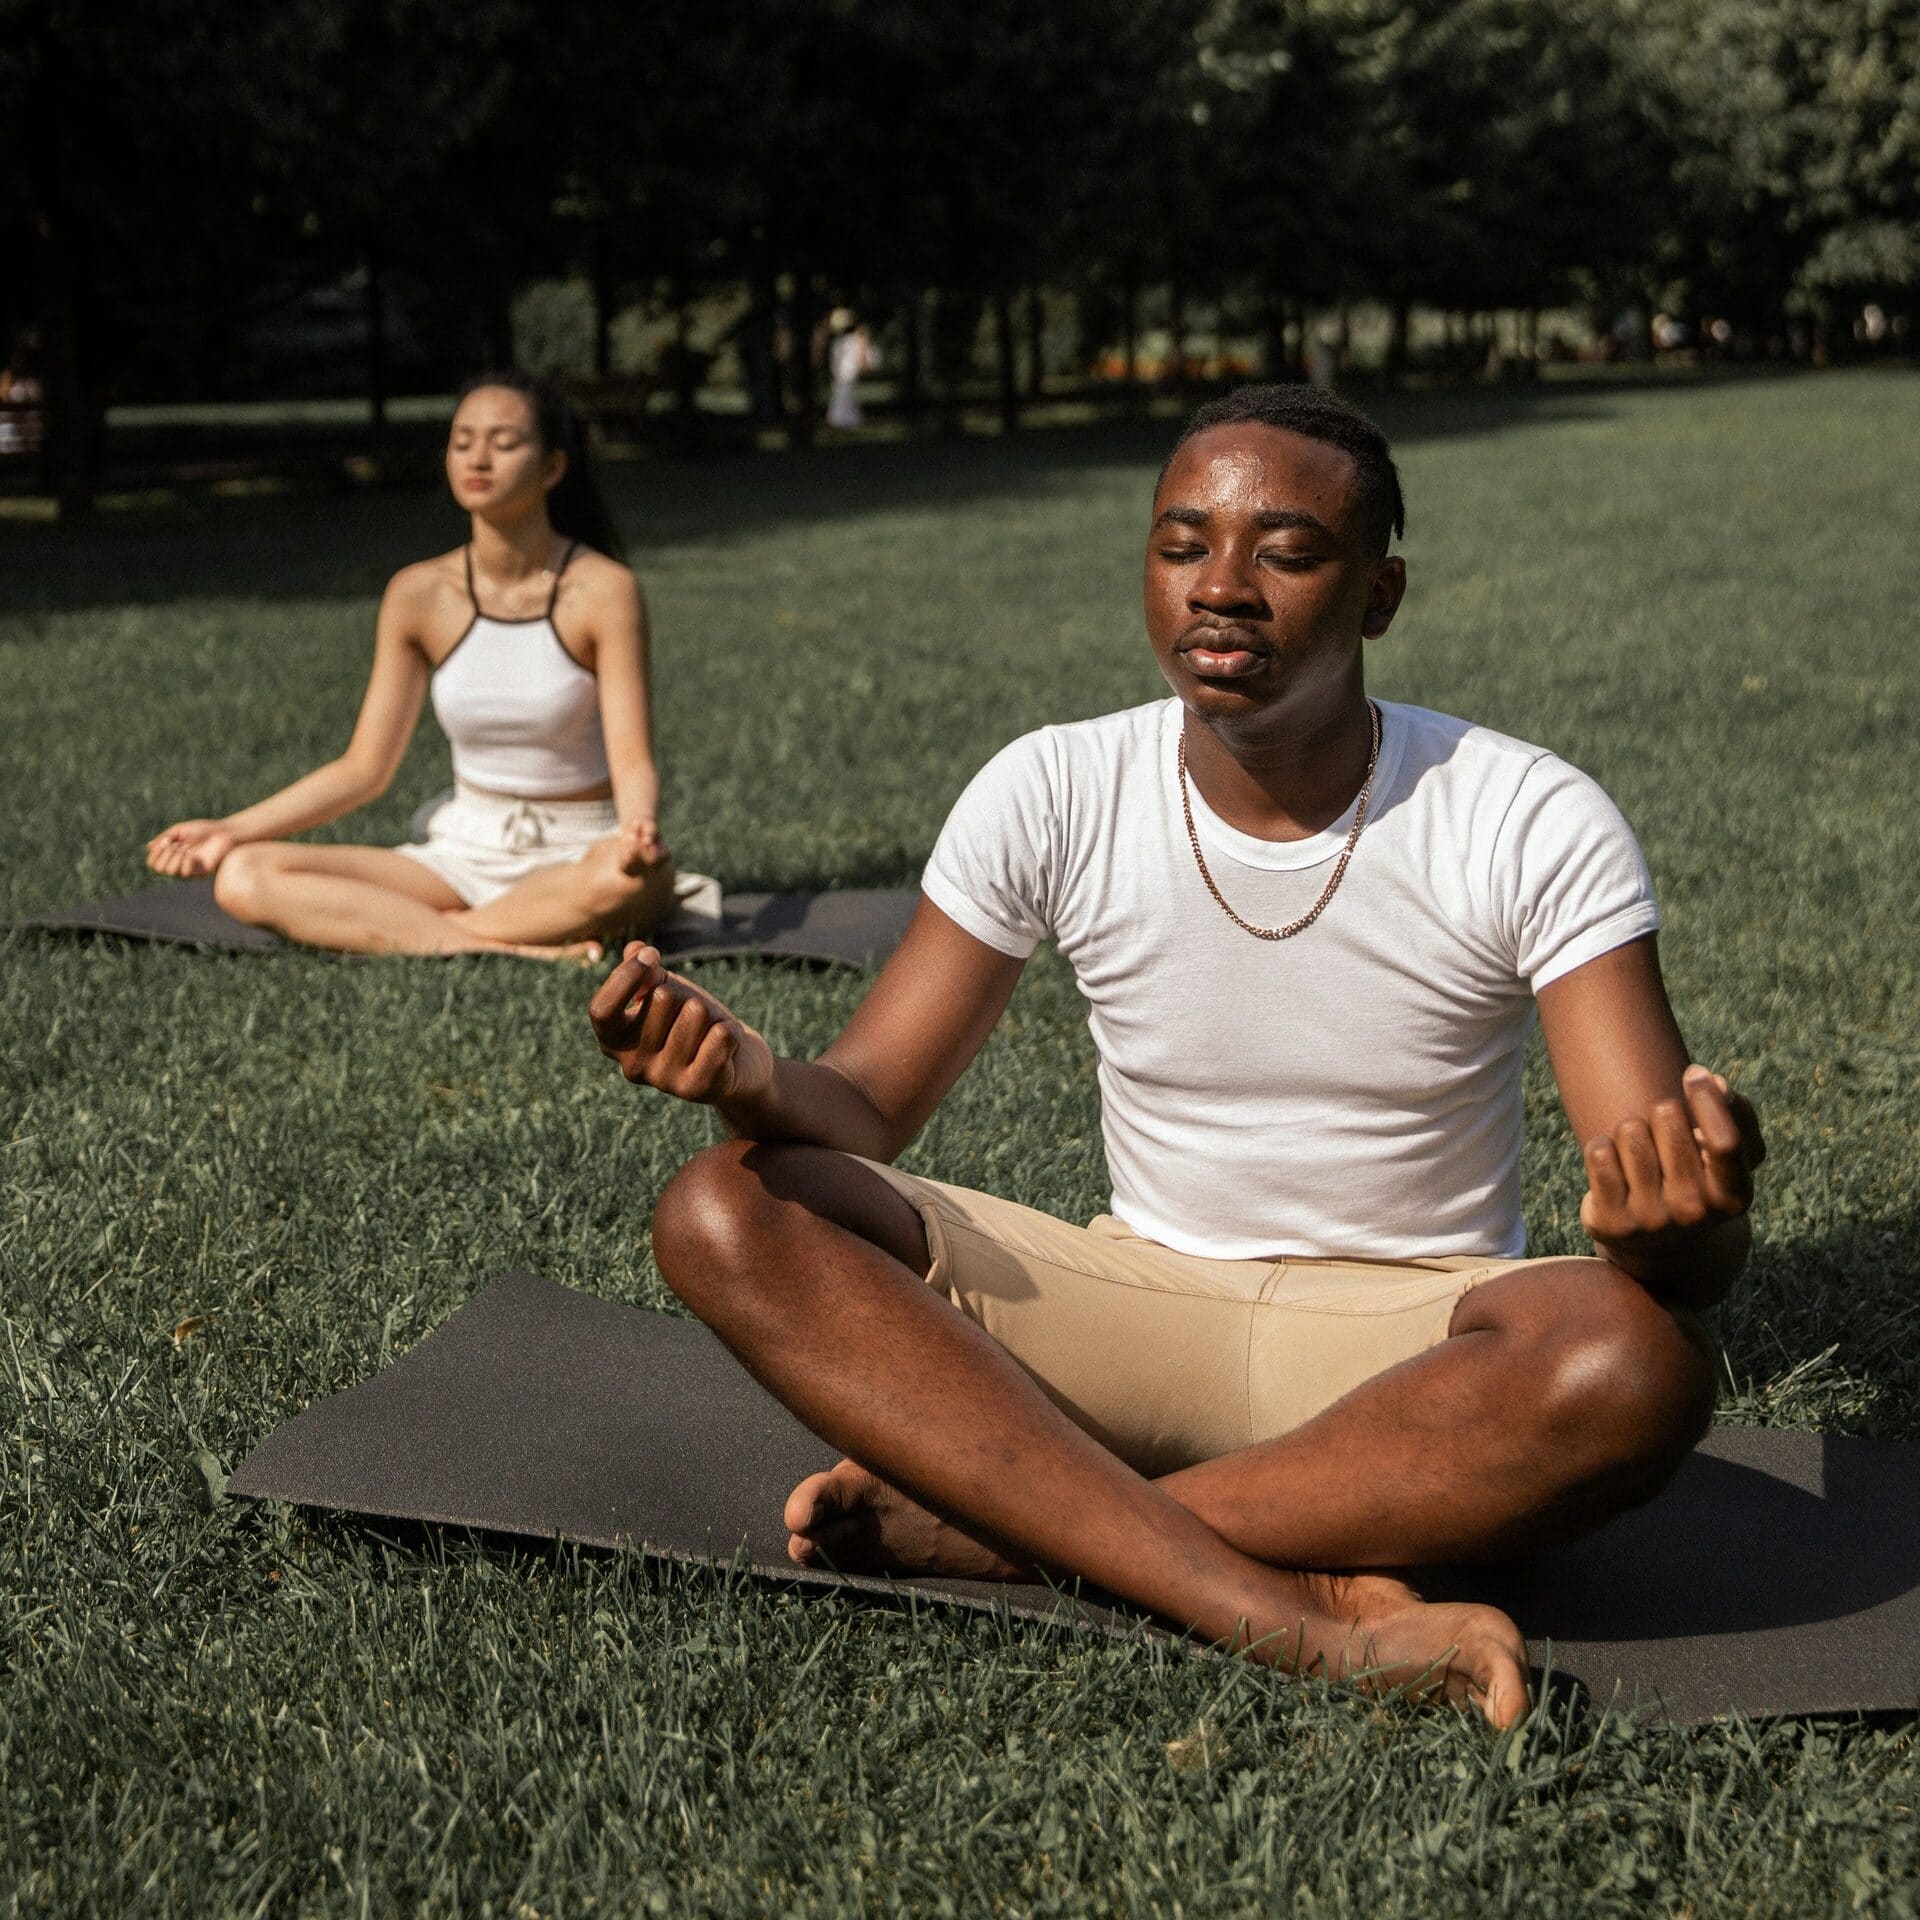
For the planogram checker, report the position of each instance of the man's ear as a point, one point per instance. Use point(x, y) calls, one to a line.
point(553, 469)
point(1388, 589)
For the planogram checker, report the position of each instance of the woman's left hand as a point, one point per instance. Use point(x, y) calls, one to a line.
point(639, 844)
point(189, 848)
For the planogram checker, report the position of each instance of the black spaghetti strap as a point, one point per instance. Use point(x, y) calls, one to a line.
point(566, 559)
point(466, 554)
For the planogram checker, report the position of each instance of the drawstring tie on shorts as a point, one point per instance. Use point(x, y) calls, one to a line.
point(522, 828)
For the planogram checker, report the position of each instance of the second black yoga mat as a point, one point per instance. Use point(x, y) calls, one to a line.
point(854, 926)
point(1779, 1573)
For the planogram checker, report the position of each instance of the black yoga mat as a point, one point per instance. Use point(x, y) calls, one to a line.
point(1779, 1573)
point(855, 927)
point(181, 913)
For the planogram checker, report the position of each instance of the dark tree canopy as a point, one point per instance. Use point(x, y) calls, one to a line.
point(953, 170)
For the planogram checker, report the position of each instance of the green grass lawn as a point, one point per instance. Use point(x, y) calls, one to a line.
point(230, 1186)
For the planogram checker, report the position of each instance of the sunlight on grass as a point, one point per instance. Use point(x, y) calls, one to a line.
point(228, 1187)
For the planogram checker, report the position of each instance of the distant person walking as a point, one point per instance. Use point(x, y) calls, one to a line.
point(532, 640)
point(21, 400)
point(850, 358)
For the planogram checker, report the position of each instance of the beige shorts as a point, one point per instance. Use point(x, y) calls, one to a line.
point(481, 844)
point(1167, 1358)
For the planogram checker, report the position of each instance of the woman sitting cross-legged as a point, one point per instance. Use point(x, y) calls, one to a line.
point(532, 638)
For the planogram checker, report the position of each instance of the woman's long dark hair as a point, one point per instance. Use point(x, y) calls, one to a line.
point(574, 506)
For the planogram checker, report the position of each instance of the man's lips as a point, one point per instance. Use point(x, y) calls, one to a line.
point(1223, 653)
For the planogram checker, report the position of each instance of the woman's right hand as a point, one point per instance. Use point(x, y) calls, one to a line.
point(189, 848)
point(662, 1031)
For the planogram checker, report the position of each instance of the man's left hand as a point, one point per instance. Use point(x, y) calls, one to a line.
point(1653, 1184)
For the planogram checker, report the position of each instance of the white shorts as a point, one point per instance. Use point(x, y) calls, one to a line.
point(481, 844)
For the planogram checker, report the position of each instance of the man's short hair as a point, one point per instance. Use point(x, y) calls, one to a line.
point(1316, 414)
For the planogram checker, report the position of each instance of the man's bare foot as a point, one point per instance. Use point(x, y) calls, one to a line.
point(1377, 1633)
point(1366, 1629)
point(855, 1522)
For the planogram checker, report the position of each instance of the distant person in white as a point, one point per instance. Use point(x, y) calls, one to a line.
point(850, 358)
point(1305, 1348)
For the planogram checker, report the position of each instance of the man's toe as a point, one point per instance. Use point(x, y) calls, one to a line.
point(812, 1504)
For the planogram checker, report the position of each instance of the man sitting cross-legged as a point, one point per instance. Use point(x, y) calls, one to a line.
point(1303, 1350)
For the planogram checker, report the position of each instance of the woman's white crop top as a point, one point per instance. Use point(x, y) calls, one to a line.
point(522, 713)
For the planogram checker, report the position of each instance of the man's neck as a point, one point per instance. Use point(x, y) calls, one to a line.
point(1280, 782)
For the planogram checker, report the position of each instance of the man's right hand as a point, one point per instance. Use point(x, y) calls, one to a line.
point(189, 848)
point(663, 1031)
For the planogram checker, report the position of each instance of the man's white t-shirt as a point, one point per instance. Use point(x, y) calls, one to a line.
point(1353, 1091)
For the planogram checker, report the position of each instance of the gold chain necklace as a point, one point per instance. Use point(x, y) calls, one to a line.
point(1319, 907)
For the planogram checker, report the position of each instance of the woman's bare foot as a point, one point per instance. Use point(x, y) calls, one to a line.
point(580, 953)
point(855, 1522)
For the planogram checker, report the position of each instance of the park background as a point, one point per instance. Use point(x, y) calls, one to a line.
point(372, 198)
point(1630, 283)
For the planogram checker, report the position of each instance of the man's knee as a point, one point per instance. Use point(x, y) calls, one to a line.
point(709, 1219)
point(736, 1216)
point(242, 880)
point(1621, 1386)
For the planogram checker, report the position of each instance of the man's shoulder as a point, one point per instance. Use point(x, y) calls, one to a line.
point(1077, 749)
point(1474, 774)
point(1444, 739)
point(1108, 734)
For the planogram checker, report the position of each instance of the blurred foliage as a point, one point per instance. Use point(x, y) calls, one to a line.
point(172, 166)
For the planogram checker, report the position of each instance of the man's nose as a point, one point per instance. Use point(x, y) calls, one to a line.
point(1225, 583)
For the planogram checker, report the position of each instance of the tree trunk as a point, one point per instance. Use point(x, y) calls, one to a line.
point(1130, 332)
point(376, 344)
point(602, 271)
point(70, 458)
point(800, 322)
point(686, 384)
point(497, 325)
point(766, 375)
point(1005, 367)
point(911, 389)
point(1274, 349)
point(953, 317)
point(70, 447)
point(1036, 344)
point(1177, 333)
point(1399, 319)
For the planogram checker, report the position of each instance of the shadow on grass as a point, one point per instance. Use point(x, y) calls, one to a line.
point(322, 543)
point(1822, 1330)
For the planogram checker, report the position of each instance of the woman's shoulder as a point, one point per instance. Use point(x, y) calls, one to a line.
point(598, 587)
point(426, 605)
point(425, 585)
point(592, 569)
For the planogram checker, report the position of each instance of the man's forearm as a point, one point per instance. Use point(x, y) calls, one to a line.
point(810, 1102)
point(1695, 1266)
